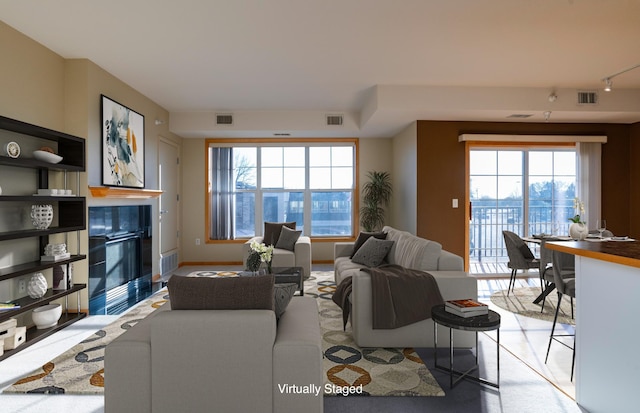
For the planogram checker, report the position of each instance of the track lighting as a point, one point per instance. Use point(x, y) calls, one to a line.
point(607, 80)
point(547, 115)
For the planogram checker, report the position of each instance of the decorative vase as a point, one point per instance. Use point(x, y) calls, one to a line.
point(41, 216)
point(37, 286)
point(578, 231)
point(269, 267)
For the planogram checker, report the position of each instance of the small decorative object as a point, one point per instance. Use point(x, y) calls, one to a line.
point(47, 156)
point(58, 278)
point(13, 150)
point(264, 253)
point(46, 316)
point(578, 229)
point(253, 261)
point(0, 190)
point(41, 216)
point(37, 286)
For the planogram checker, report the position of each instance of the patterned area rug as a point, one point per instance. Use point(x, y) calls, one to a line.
point(381, 371)
point(80, 370)
point(520, 301)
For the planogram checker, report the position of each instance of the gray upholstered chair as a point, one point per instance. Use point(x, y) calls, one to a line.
point(520, 256)
point(547, 282)
point(564, 278)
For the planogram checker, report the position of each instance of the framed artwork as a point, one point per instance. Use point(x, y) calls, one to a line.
point(122, 145)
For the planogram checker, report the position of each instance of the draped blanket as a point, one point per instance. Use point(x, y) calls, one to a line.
point(401, 296)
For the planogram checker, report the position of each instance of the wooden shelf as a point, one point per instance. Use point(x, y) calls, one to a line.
point(34, 335)
point(114, 192)
point(35, 266)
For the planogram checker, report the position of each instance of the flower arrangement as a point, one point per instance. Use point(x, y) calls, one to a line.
point(259, 253)
point(578, 206)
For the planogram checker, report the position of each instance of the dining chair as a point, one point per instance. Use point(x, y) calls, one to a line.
point(563, 265)
point(520, 256)
point(547, 281)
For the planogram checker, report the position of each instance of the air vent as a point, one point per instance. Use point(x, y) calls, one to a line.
point(587, 97)
point(224, 119)
point(281, 134)
point(519, 116)
point(334, 120)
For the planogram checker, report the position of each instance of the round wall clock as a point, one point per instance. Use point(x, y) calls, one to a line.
point(13, 150)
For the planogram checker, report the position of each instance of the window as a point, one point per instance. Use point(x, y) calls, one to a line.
point(524, 190)
point(311, 183)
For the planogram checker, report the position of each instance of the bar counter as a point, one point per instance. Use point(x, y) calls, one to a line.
point(607, 326)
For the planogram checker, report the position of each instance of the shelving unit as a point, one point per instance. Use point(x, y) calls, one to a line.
point(70, 213)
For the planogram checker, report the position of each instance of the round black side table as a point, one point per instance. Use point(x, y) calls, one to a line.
point(478, 323)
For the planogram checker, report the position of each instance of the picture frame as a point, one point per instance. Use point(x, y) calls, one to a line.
point(122, 145)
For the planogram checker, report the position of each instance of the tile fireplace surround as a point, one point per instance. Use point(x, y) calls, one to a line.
point(120, 270)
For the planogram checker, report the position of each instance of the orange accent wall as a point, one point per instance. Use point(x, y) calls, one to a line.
point(441, 174)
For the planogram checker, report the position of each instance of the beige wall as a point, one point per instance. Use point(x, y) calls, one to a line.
point(40, 87)
point(405, 188)
point(374, 154)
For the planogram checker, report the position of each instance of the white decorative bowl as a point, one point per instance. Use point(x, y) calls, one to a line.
point(46, 316)
point(47, 156)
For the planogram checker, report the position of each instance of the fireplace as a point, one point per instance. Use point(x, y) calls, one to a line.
point(120, 272)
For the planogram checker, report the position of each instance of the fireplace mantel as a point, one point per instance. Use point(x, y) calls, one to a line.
point(114, 192)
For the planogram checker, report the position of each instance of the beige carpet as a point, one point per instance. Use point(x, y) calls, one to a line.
point(80, 370)
point(382, 372)
point(520, 301)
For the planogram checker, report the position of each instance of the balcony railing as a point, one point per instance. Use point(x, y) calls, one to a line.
point(488, 222)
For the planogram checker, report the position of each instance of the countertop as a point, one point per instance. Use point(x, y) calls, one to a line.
point(618, 252)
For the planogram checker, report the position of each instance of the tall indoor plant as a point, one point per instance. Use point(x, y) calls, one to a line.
point(376, 196)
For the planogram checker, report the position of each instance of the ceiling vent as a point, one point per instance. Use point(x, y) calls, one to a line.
point(587, 97)
point(224, 119)
point(519, 116)
point(334, 120)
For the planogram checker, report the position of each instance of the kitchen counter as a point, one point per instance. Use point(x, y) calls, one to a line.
point(607, 333)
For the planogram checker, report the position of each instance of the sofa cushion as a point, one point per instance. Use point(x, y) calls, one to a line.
point(272, 231)
point(288, 238)
point(373, 252)
point(413, 252)
point(282, 294)
point(210, 293)
point(363, 237)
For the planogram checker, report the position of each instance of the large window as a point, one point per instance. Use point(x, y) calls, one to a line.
point(524, 190)
point(309, 183)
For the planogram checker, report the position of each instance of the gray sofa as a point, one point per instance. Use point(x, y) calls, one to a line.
point(217, 361)
point(416, 253)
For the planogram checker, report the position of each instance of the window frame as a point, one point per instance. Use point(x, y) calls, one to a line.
point(279, 142)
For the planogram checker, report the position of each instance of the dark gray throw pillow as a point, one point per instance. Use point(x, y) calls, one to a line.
point(282, 294)
point(288, 238)
point(272, 231)
point(373, 252)
point(363, 237)
point(210, 293)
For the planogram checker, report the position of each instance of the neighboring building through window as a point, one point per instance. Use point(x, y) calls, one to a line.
point(311, 183)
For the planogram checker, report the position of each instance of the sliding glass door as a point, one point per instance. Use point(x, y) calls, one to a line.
point(524, 190)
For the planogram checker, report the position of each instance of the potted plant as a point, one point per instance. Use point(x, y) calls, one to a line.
point(376, 196)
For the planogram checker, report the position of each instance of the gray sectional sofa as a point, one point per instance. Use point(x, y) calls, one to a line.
point(411, 252)
point(217, 361)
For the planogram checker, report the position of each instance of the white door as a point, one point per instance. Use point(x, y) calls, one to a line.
point(168, 159)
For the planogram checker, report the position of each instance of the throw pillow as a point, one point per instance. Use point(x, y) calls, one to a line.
point(363, 237)
point(272, 231)
point(373, 252)
point(207, 293)
point(288, 238)
point(282, 294)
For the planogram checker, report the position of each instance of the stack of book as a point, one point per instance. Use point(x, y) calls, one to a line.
point(466, 307)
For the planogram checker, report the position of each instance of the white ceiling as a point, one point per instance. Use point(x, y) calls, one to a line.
point(281, 65)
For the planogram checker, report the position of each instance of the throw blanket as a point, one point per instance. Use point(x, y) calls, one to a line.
point(401, 296)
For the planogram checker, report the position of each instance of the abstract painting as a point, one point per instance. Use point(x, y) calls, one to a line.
point(122, 145)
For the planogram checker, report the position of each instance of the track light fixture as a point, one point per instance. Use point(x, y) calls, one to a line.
point(607, 80)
